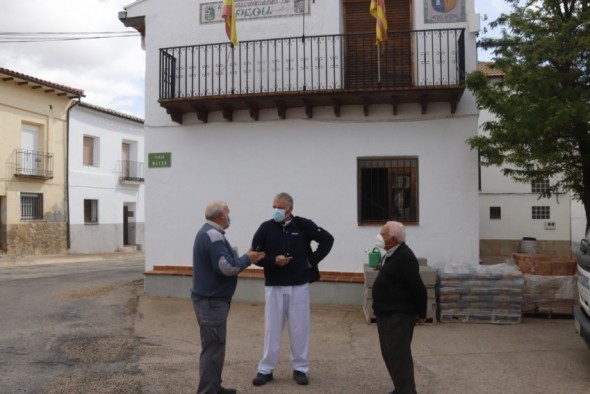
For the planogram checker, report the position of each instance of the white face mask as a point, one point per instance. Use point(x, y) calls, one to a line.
point(380, 242)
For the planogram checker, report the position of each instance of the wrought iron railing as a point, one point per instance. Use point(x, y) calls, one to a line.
point(419, 58)
point(131, 171)
point(33, 164)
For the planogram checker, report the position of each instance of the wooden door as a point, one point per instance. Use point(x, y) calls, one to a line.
point(362, 61)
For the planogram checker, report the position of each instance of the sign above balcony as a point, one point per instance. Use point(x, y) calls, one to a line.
point(444, 11)
point(254, 9)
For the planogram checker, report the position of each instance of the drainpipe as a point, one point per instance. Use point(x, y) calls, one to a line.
point(68, 239)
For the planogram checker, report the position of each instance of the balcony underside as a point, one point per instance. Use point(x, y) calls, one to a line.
point(282, 101)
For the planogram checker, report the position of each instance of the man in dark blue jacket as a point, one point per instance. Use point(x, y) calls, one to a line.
point(289, 265)
point(399, 301)
point(215, 270)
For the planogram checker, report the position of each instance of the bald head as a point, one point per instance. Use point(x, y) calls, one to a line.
point(218, 212)
point(396, 230)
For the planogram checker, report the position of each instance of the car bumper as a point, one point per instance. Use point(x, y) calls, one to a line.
point(582, 323)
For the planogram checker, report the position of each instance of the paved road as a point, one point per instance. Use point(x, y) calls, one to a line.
point(68, 328)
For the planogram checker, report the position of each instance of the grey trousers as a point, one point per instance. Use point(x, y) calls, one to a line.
point(212, 318)
point(395, 337)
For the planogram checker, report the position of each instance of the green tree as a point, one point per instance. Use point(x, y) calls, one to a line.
point(542, 104)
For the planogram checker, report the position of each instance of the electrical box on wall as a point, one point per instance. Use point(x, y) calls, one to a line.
point(549, 225)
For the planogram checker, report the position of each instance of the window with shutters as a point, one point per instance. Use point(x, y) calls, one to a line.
point(387, 189)
point(90, 151)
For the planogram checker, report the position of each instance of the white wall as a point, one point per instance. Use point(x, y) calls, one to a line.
point(102, 182)
point(246, 162)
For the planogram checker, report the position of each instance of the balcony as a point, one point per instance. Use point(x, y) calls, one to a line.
point(420, 66)
point(33, 164)
point(130, 172)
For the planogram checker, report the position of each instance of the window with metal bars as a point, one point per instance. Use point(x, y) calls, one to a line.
point(31, 206)
point(90, 211)
point(541, 212)
point(495, 213)
point(387, 189)
point(540, 187)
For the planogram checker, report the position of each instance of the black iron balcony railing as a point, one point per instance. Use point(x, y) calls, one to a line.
point(340, 62)
point(33, 164)
point(131, 171)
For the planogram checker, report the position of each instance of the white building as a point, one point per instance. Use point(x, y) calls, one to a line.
point(307, 105)
point(511, 211)
point(106, 180)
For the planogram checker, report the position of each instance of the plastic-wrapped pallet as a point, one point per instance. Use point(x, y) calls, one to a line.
point(480, 294)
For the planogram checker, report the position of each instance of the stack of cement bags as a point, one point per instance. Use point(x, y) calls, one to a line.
point(428, 275)
point(549, 285)
point(480, 294)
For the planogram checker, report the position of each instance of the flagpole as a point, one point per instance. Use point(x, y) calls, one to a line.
point(378, 64)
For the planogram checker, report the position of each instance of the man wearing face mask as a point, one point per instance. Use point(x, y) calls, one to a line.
point(215, 270)
point(289, 266)
point(399, 302)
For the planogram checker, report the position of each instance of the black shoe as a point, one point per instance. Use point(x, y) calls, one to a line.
point(222, 390)
point(300, 378)
point(261, 379)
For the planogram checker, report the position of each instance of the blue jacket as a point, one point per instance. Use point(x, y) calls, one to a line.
point(215, 267)
point(293, 239)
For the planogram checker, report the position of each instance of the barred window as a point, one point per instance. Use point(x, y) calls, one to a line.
point(495, 212)
point(387, 189)
point(540, 187)
point(31, 206)
point(542, 212)
point(90, 211)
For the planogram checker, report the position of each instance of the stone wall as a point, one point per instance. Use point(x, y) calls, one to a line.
point(505, 248)
point(36, 238)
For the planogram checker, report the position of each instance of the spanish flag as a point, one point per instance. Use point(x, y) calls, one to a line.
point(229, 14)
point(377, 10)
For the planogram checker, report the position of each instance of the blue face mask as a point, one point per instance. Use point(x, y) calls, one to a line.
point(278, 214)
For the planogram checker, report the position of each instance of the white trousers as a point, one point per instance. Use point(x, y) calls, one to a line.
point(286, 304)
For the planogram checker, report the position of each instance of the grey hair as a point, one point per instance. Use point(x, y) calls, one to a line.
point(286, 197)
point(397, 230)
point(214, 209)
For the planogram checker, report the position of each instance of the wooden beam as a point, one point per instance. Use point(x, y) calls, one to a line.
point(394, 104)
point(423, 103)
point(281, 109)
point(337, 106)
point(254, 110)
point(175, 115)
point(366, 106)
point(308, 108)
point(228, 113)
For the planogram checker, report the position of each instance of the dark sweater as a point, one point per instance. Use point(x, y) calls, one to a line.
point(293, 239)
point(398, 287)
point(215, 268)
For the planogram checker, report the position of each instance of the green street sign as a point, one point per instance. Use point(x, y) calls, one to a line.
point(159, 160)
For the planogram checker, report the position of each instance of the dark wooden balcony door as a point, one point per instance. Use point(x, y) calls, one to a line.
point(362, 62)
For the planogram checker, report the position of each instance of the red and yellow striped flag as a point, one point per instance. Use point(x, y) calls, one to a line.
point(377, 10)
point(229, 14)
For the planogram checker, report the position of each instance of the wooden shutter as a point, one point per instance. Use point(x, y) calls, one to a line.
point(88, 151)
point(361, 52)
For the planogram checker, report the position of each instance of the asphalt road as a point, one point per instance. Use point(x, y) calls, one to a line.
point(68, 328)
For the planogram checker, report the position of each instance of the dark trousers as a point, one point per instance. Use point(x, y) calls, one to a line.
point(395, 338)
point(212, 318)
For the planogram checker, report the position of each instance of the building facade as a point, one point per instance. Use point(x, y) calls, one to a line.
point(307, 104)
point(513, 216)
point(106, 180)
point(33, 150)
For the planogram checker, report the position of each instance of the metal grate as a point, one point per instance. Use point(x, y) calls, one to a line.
point(31, 206)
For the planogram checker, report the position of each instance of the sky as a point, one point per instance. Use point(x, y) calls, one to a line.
point(109, 70)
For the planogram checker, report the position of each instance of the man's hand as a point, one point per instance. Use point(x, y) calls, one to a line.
point(281, 260)
point(255, 256)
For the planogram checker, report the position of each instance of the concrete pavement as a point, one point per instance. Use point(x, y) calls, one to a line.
point(537, 356)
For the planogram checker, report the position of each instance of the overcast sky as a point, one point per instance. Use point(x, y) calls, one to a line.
point(109, 70)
